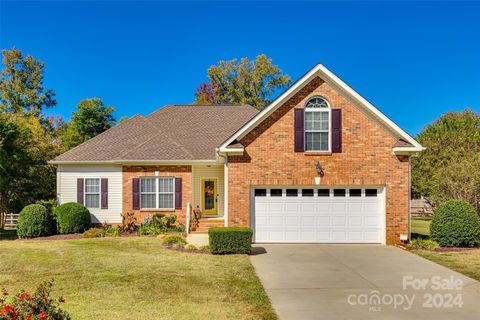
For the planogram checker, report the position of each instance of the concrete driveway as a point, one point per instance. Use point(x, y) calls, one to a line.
point(361, 282)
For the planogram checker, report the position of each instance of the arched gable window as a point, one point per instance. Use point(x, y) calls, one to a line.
point(317, 125)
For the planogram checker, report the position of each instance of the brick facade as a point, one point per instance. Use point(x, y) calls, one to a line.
point(130, 172)
point(367, 159)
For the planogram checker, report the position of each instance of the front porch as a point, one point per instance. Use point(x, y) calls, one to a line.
point(208, 197)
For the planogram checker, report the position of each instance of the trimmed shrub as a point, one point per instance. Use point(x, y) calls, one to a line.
point(423, 244)
point(230, 240)
point(176, 240)
point(456, 223)
point(72, 217)
point(35, 221)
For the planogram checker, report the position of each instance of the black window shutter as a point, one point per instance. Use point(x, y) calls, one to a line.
point(178, 193)
point(136, 194)
point(104, 196)
point(336, 130)
point(80, 190)
point(299, 132)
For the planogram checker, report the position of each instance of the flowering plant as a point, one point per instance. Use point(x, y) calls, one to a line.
point(32, 306)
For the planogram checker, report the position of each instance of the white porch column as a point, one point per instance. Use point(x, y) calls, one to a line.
point(225, 191)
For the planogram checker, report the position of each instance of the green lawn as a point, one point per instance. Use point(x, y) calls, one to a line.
point(136, 278)
point(466, 262)
point(420, 227)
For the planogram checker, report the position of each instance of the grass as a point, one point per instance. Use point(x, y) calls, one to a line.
point(136, 278)
point(465, 262)
point(421, 227)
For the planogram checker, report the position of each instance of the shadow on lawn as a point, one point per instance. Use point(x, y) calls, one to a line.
point(8, 234)
point(415, 235)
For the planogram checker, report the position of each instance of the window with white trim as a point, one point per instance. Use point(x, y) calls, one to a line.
point(92, 193)
point(317, 125)
point(157, 193)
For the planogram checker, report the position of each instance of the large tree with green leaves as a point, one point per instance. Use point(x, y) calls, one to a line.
point(450, 166)
point(242, 82)
point(91, 119)
point(21, 85)
point(26, 137)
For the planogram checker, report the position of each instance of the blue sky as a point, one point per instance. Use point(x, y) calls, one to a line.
point(412, 60)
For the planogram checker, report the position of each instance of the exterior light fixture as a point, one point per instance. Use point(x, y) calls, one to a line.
point(320, 173)
point(319, 169)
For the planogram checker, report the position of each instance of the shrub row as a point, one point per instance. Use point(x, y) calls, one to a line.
point(36, 221)
point(227, 240)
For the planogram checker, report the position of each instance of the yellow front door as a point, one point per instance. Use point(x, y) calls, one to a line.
point(209, 196)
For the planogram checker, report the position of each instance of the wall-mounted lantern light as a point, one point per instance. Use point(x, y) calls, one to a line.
point(320, 173)
point(319, 169)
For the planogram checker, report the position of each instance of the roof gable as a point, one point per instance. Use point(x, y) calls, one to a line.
point(327, 76)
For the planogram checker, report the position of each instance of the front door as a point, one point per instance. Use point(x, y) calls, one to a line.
point(209, 196)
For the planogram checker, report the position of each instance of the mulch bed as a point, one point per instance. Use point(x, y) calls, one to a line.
point(56, 237)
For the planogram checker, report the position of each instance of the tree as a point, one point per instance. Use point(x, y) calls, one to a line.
point(450, 166)
point(25, 175)
point(26, 137)
point(242, 82)
point(91, 119)
point(21, 85)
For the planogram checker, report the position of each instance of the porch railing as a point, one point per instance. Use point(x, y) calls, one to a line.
point(189, 210)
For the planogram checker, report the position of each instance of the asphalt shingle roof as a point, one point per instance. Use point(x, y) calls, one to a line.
point(175, 132)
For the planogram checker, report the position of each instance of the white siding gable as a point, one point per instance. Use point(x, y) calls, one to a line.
point(67, 176)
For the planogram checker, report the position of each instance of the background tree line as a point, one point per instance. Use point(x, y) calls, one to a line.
point(448, 169)
point(29, 139)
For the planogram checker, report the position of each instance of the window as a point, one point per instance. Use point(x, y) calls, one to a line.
point(370, 192)
point(339, 192)
point(323, 192)
point(307, 192)
point(260, 192)
point(317, 125)
point(92, 192)
point(275, 192)
point(157, 193)
point(292, 192)
point(355, 192)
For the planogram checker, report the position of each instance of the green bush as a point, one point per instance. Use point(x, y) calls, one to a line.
point(423, 244)
point(35, 221)
point(111, 231)
point(456, 223)
point(33, 305)
point(72, 217)
point(230, 240)
point(176, 240)
point(93, 233)
point(148, 230)
point(191, 247)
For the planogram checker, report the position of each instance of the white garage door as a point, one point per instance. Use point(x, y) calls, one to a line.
point(340, 215)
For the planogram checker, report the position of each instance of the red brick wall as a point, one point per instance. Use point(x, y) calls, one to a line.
point(184, 172)
point(366, 159)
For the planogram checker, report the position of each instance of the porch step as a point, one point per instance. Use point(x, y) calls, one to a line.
point(206, 223)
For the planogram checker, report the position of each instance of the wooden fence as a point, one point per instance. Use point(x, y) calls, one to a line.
point(8, 220)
